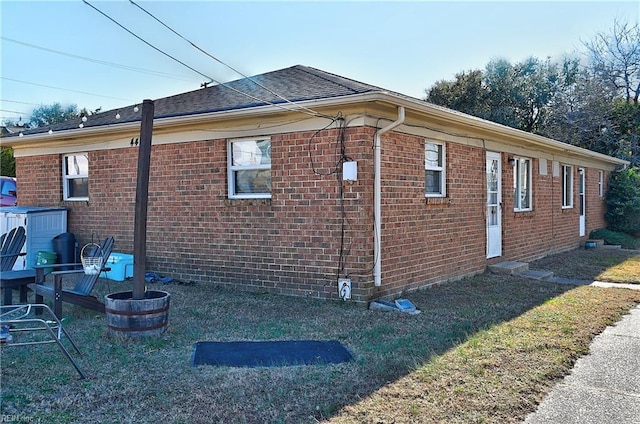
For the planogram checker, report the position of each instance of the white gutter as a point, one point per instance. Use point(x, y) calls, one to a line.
point(377, 197)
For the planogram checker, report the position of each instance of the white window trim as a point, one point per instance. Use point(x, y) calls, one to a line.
point(66, 178)
point(516, 177)
point(231, 183)
point(601, 183)
point(442, 169)
point(564, 184)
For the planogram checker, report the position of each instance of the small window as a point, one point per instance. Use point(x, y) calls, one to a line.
point(567, 186)
point(249, 163)
point(434, 165)
point(522, 185)
point(600, 183)
point(75, 177)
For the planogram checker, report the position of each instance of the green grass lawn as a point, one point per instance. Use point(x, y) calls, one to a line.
point(484, 349)
point(612, 265)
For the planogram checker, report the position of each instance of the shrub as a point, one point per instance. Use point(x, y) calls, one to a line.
point(614, 237)
point(7, 162)
point(623, 202)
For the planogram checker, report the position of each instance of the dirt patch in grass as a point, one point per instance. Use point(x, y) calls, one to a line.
point(612, 265)
point(484, 349)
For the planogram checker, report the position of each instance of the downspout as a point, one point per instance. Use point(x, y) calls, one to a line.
point(377, 197)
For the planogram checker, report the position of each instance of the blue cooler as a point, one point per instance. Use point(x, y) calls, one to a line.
point(121, 265)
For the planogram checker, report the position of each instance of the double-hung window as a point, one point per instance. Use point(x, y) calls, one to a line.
point(567, 186)
point(522, 185)
point(249, 168)
point(435, 169)
point(75, 177)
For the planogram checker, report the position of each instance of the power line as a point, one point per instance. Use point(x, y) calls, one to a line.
point(65, 89)
point(142, 39)
point(13, 111)
point(22, 103)
point(196, 71)
point(100, 62)
point(194, 45)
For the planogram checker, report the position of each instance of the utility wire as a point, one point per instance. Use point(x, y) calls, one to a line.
point(100, 62)
point(13, 111)
point(22, 103)
point(194, 45)
point(142, 39)
point(65, 89)
point(194, 70)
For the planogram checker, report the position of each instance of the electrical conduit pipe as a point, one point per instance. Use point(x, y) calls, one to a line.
point(377, 197)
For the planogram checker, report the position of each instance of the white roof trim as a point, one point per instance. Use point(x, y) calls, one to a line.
point(380, 96)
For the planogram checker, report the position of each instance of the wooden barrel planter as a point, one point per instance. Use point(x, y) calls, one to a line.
point(137, 318)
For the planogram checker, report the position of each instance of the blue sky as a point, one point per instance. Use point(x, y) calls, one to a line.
point(401, 46)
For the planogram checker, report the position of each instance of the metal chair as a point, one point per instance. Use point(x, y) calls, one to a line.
point(19, 319)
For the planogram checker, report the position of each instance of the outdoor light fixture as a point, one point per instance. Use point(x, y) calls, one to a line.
point(512, 161)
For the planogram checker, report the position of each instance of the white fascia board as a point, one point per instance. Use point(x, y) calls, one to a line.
point(460, 118)
point(442, 113)
point(503, 130)
point(158, 123)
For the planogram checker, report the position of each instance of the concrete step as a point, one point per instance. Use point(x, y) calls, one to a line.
point(537, 274)
point(509, 267)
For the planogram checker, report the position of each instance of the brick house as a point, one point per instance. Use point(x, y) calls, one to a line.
point(341, 180)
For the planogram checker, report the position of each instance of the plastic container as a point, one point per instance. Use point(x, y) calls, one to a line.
point(45, 258)
point(65, 247)
point(121, 265)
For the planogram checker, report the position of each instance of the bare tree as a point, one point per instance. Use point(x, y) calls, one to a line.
point(615, 57)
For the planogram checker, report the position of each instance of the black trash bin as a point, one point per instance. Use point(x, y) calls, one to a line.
point(66, 248)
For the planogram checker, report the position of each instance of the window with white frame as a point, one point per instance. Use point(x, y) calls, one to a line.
point(600, 183)
point(522, 184)
point(435, 169)
point(249, 168)
point(567, 186)
point(75, 177)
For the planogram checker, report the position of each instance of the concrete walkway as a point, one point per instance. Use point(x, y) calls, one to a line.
point(604, 386)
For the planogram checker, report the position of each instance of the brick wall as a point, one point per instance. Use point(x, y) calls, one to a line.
point(301, 240)
point(596, 205)
point(426, 241)
point(290, 244)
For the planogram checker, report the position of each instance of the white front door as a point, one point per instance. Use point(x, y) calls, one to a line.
point(582, 203)
point(494, 205)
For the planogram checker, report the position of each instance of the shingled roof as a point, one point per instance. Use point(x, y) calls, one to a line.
point(297, 83)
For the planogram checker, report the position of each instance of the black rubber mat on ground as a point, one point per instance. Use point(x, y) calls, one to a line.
point(269, 353)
